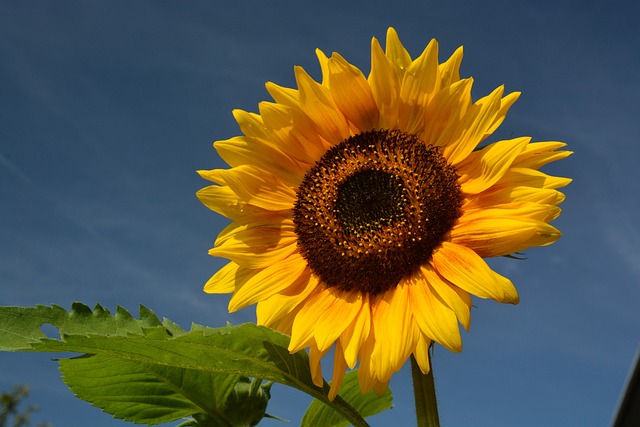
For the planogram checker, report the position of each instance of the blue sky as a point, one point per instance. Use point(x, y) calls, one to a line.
point(107, 108)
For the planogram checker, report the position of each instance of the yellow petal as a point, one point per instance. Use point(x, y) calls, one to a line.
point(380, 387)
point(450, 69)
point(339, 369)
point(505, 104)
point(396, 53)
point(385, 86)
point(269, 311)
point(257, 240)
point(283, 95)
point(221, 199)
point(256, 248)
point(456, 299)
point(532, 178)
point(538, 154)
point(466, 299)
point(352, 94)
point(267, 282)
point(284, 323)
point(318, 105)
point(366, 373)
point(324, 317)
point(324, 67)
point(253, 151)
point(211, 175)
point(434, 317)
point(464, 268)
point(226, 279)
point(481, 169)
point(516, 210)
point(356, 333)
point(250, 123)
point(446, 112)
point(510, 293)
point(257, 187)
point(499, 195)
point(421, 353)
point(396, 332)
point(283, 123)
point(478, 119)
point(261, 219)
point(315, 356)
point(302, 125)
point(491, 237)
point(419, 84)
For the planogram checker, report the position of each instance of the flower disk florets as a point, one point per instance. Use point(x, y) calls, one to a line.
point(373, 209)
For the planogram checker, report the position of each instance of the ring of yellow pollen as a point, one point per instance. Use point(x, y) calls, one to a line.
point(373, 209)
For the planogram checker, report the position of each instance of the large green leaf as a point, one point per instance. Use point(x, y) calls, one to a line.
point(133, 391)
point(148, 371)
point(319, 414)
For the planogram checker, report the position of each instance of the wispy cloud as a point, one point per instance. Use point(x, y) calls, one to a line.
point(623, 237)
point(14, 170)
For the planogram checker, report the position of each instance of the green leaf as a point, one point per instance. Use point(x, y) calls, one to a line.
point(20, 326)
point(148, 371)
point(134, 391)
point(319, 414)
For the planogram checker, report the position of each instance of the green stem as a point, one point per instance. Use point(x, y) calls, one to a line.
point(424, 392)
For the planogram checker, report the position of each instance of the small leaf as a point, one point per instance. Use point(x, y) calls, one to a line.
point(319, 414)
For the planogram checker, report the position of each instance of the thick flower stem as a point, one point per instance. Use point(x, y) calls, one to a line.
point(424, 392)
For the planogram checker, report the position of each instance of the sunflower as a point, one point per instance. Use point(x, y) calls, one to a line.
point(361, 209)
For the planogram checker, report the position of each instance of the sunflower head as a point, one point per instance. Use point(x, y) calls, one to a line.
point(362, 207)
point(362, 211)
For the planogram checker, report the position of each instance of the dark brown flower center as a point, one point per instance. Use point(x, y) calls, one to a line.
point(382, 202)
point(373, 209)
